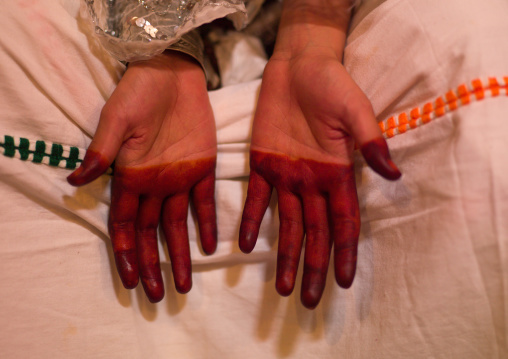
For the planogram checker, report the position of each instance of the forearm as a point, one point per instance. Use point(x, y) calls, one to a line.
point(309, 24)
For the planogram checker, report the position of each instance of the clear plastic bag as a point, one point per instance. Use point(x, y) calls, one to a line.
point(133, 30)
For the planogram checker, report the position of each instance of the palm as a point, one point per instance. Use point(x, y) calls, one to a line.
point(169, 118)
point(305, 102)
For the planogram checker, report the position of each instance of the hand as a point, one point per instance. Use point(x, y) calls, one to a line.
point(310, 113)
point(159, 128)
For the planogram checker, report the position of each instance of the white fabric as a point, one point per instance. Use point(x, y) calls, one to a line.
point(432, 272)
point(240, 57)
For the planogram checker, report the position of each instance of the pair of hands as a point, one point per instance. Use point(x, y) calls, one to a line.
point(159, 128)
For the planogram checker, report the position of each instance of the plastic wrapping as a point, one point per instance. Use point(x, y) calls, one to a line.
point(133, 30)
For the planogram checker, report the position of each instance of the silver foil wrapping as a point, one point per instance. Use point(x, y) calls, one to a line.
point(133, 30)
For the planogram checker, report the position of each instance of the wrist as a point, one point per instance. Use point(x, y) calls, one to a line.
point(312, 24)
point(186, 70)
point(171, 69)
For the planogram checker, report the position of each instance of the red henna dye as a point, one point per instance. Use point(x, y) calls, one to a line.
point(136, 206)
point(377, 155)
point(139, 196)
point(93, 166)
point(258, 199)
point(127, 266)
point(316, 198)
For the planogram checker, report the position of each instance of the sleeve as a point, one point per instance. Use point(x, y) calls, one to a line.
point(138, 30)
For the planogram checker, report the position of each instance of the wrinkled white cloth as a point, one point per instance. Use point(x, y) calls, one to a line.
point(240, 57)
point(432, 267)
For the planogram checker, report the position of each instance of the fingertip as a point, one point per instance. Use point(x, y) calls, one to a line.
point(129, 279)
point(345, 266)
point(346, 254)
point(154, 289)
point(284, 285)
point(345, 275)
point(92, 167)
point(209, 247)
point(126, 264)
point(248, 238)
point(75, 178)
point(313, 285)
point(310, 297)
point(155, 298)
point(130, 283)
point(183, 284)
point(209, 239)
point(182, 274)
point(377, 155)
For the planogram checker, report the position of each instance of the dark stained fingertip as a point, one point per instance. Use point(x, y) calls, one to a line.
point(92, 167)
point(284, 285)
point(183, 284)
point(287, 267)
point(129, 281)
point(209, 246)
point(313, 285)
point(209, 240)
point(126, 264)
point(310, 297)
point(377, 155)
point(248, 238)
point(345, 275)
point(153, 289)
point(345, 266)
point(182, 271)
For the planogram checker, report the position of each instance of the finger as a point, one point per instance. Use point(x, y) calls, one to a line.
point(378, 157)
point(258, 199)
point(147, 248)
point(345, 228)
point(290, 241)
point(174, 224)
point(122, 217)
point(362, 125)
point(102, 150)
point(204, 202)
point(317, 250)
point(92, 167)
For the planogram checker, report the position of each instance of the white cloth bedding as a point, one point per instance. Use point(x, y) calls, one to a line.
point(432, 272)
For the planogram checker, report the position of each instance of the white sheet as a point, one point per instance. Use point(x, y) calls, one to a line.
point(432, 271)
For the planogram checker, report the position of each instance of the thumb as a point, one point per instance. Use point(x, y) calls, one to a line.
point(369, 139)
point(102, 150)
point(378, 157)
